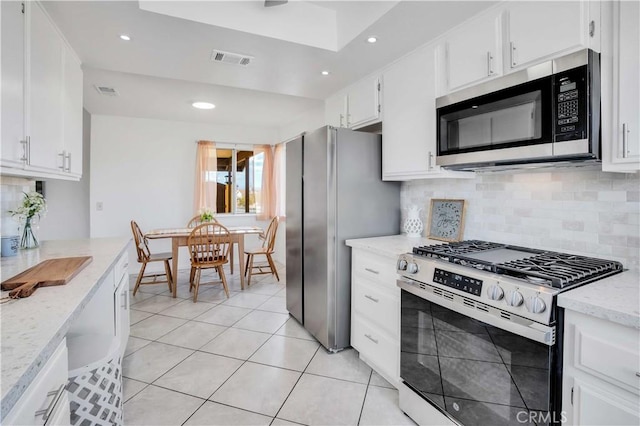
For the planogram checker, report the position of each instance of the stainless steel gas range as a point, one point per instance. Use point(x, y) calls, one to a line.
point(481, 332)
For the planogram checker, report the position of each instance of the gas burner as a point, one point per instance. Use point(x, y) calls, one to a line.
point(444, 251)
point(561, 270)
point(539, 267)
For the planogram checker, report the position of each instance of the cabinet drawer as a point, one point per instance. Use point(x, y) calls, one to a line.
point(608, 351)
point(375, 267)
point(376, 305)
point(375, 345)
point(44, 395)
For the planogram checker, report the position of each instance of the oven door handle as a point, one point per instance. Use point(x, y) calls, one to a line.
point(517, 325)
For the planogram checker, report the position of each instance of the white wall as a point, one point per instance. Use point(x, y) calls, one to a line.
point(68, 201)
point(310, 120)
point(143, 170)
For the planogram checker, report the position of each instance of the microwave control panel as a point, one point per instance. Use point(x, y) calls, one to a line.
point(571, 119)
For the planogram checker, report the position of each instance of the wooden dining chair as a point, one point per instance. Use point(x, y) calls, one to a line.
point(267, 249)
point(208, 245)
point(197, 220)
point(145, 257)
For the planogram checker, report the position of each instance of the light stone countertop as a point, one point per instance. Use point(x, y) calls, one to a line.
point(615, 298)
point(393, 245)
point(33, 327)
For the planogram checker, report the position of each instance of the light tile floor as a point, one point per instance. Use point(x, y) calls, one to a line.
point(241, 361)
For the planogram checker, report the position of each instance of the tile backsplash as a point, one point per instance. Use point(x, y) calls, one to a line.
point(580, 211)
point(11, 193)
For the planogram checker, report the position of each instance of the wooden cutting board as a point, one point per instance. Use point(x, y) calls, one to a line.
point(47, 273)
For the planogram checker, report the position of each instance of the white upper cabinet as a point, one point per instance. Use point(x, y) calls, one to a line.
point(540, 29)
point(45, 75)
point(41, 96)
point(474, 52)
point(624, 87)
point(336, 110)
point(72, 115)
point(409, 130)
point(12, 27)
point(363, 102)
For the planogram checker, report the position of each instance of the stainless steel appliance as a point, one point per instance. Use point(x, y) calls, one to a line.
point(334, 192)
point(546, 114)
point(481, 331)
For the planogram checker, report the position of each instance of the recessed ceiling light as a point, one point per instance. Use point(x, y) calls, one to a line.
point(203, 105)
point(125, 37)
point(372, 39)
point(325, 73)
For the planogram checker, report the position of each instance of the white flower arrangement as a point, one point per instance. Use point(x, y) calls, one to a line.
point(33, 204)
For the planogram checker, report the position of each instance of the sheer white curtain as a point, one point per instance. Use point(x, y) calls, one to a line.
point(266, 209)
point(279, 176)
point(205, 185)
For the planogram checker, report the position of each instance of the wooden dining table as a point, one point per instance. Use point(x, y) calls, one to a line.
point(179, 239)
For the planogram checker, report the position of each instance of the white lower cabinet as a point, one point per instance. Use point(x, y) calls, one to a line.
point(45, 402)
point(601, 372)
point(375, 315)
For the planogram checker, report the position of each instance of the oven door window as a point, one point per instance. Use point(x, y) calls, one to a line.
point(513, 117)
point(477, 373)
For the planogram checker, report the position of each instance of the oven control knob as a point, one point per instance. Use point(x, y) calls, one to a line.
point(412, 268)
point(536, 305)
point(514, 298)
point(402, 265)
point(496, 292)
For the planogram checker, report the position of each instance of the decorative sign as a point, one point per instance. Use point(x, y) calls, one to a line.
point(446, 220)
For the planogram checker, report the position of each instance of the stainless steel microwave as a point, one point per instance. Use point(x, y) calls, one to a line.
point(544, 115)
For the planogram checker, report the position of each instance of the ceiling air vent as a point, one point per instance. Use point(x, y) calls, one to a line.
point(231, 58)
point(107, 91)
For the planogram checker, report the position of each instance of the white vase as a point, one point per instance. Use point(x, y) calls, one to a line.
point(413, 226)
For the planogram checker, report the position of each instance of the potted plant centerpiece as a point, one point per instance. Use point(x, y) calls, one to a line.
point(206, 216)
point(33, 205)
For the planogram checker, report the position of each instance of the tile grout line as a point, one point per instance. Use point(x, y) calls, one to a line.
point(364, 400)
point(297, 381)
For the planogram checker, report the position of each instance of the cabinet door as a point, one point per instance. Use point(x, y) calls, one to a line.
point(72, 110)
point(364, 102)
point(627, 64)
point(335, 111)
point(409, 131)
point(539, 29)
point(121, 312)
point(595, 406)
point(45, 68)
point(474, 52)
point(12, 28)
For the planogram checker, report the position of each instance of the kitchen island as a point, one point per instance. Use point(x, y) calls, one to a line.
point(32, 328)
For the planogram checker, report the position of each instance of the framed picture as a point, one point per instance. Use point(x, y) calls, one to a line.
point(446, 220)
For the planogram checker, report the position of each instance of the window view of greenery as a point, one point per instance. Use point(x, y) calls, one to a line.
point(238, 180)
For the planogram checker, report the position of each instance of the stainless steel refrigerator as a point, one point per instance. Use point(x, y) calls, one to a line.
point(334, 192)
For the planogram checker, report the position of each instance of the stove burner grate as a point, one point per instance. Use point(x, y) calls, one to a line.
point(559, 269)
point(539, 267)
point(443, 251)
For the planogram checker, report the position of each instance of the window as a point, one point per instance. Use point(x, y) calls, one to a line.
point(238, 180)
